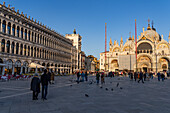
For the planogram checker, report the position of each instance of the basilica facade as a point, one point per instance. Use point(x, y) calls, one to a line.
point(153, 53)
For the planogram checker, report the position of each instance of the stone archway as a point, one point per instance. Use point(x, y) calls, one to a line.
point(114, 65)
point(164, 63)
point(144, 63)
point(17, 67)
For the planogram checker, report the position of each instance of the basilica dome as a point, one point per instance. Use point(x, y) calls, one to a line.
point(151, 34)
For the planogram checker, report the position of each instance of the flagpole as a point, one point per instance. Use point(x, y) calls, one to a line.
point(136, 43)
point(105, 45)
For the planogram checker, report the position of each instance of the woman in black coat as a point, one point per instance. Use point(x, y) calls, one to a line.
point(35, 86)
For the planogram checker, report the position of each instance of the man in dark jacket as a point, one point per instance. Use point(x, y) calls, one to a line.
point(141, 77)
point(44, 83)
point(35, 86)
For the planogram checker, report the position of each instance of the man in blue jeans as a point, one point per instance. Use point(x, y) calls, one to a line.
point(44, 83)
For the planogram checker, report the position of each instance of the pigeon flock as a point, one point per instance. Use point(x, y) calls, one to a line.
point(101, 87)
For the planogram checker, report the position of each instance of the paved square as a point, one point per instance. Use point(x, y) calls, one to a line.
point(150, 97)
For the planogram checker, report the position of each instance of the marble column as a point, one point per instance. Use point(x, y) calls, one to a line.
point(13, 67)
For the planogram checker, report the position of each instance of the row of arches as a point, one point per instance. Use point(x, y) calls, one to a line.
point(37, 52)
point(20, 67)
point(36, 37)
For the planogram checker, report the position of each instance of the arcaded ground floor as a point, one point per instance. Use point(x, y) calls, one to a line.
point(66, 96)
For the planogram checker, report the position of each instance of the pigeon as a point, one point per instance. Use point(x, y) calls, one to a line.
point(90, 83)
point(70, 85)
point(106, 89)
point(121, 88)
point(112, 89)
point(101, 87)
point(117, 84)
point(86, 95)
point(110, 82)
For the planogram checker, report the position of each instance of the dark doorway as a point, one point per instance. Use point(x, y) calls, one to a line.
point(145, 69)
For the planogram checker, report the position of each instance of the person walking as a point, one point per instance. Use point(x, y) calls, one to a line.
point(44, 82)
point(135, 75)
point(144, 76)
point(102, 78)
point(49, 76)
point(159, 76)
point(82, 76)
point(35, 86)
point(97, 77)
point(162, 76)
point(78, 76)
point(52, 77)
point(141, 77)
point(131, 76)
point(86, 76)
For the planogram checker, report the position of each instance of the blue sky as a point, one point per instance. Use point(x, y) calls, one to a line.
point(88, 17)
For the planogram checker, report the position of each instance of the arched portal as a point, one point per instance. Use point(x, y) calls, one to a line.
point(17, 67)
point(164, 63)
point(114, 65)
point(144, 63)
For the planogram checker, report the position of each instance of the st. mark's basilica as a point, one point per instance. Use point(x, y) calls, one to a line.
point(153, 53)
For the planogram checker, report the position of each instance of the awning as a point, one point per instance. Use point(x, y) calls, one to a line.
point(3, 64)
point(34, 65)
point(52, 67)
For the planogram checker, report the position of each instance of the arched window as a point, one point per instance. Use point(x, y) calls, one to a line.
point(28, 50)
point(8, 46)
point(38, 39)
point(32, 51)
point(17, 48)
point(21, 32)
point(35, 52)
point(35, 38)
point(45, 42)
point(13, 30)
point(29, 35)
point(3, 45)
point(32, 36)
point(4, 26)
point(9, 28)
point(18, 31)
point(25, 48)
point(40, 53)
point(43, 53)
point(21, 49)
point(12, 47)
point(25, 34)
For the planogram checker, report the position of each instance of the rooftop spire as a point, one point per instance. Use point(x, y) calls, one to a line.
point(148, 28)
point(74, 31)
point(110, 43)
point(121, 39)
point(130, 38)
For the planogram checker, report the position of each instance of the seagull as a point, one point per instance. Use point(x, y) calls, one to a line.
point(117, 84)
point(86, 95)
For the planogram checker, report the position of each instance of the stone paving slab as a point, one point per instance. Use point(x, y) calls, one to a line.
point(150, 97)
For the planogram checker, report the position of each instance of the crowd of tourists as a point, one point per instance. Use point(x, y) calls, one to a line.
point(82, 76)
